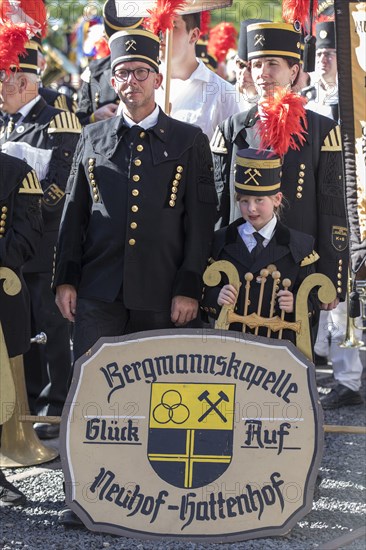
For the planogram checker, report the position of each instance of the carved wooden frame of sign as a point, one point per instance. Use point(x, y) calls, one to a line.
point(193, 435)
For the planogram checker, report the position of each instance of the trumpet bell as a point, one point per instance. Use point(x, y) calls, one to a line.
point(20, 445)
point(351, 340)
point(7, 388)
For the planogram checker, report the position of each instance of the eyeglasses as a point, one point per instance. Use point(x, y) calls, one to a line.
point(140, 74)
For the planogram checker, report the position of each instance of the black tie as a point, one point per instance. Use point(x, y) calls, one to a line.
point(134, 131)
point(259, 246)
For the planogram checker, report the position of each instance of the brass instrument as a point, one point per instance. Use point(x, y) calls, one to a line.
point(350, 339)
point(20, 445)
point(361, 289)
point(58, 66)
point(326, 293)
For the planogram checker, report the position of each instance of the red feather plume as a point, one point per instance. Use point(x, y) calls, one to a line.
point(12, 44)
point(299, 10)
point(31, 12)
point(283, 118)
point(221, 39)
point(161, 17)
point(205, 22)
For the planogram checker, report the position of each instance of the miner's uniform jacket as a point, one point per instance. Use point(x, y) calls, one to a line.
point(96, 90)
point(290, 251)
point(312, 184)
point(20, 232)
point(139, 215)
point(46, 139)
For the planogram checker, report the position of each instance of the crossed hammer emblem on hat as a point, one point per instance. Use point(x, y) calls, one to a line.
point(252, 173)
point(130, 44)
point(259, 39)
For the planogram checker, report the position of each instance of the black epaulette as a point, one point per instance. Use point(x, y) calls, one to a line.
point(61, 103)
point(64, 122)
point(333, 141)
point(217, 143)
point(30, 184)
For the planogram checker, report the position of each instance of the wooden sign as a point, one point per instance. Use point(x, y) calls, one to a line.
point(202, 436)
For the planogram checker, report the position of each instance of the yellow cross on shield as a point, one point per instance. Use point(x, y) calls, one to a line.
point(191, 432)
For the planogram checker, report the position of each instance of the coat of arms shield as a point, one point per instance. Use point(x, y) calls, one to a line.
point(191, 432)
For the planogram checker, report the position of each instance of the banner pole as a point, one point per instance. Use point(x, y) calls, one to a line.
point(168, 69)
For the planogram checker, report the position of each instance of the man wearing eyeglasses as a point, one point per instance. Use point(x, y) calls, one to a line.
point(325, 76)
point(138, 222)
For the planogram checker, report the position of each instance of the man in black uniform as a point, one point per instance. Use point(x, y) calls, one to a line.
point(97, 98)
point(138, 221)
point(46, 138)
point(20, 234)
point(312, 180)
point(325, 79)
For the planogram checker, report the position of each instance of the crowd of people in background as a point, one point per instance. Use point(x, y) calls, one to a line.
point(113, 183)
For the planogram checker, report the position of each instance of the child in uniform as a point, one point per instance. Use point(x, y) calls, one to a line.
point(258, 240)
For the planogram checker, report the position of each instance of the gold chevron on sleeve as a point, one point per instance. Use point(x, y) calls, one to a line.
point(313, 257)
point(64, 122)
point(30, 184)
point(218, 143)
point(333, 141)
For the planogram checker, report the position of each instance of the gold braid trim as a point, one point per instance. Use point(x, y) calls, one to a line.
point(64, 122)
point(313, 257)
point(30, 185)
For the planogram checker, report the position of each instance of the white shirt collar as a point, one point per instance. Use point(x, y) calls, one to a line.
point(266, 231)
point(200, 73)
point(26, 109)
point(148, 122)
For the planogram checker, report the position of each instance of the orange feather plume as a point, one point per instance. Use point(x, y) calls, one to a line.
point(161, 17)
point(222, 38)
point(283, 122)
point(12, 44)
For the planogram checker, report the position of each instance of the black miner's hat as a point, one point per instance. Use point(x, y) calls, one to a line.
point(243, 39)
point(134, 45)
point(257, 173)
point(273, 40)
point(201, 52)
point(28, 63)
point(325, 35)
point(113, 20)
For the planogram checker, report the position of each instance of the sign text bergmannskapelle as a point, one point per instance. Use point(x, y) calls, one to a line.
point(187, 435)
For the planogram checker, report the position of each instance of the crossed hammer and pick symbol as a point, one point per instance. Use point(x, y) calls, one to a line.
point(213, 406)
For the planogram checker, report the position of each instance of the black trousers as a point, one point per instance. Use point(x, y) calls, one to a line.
point(47, 367)
point(95, 319)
